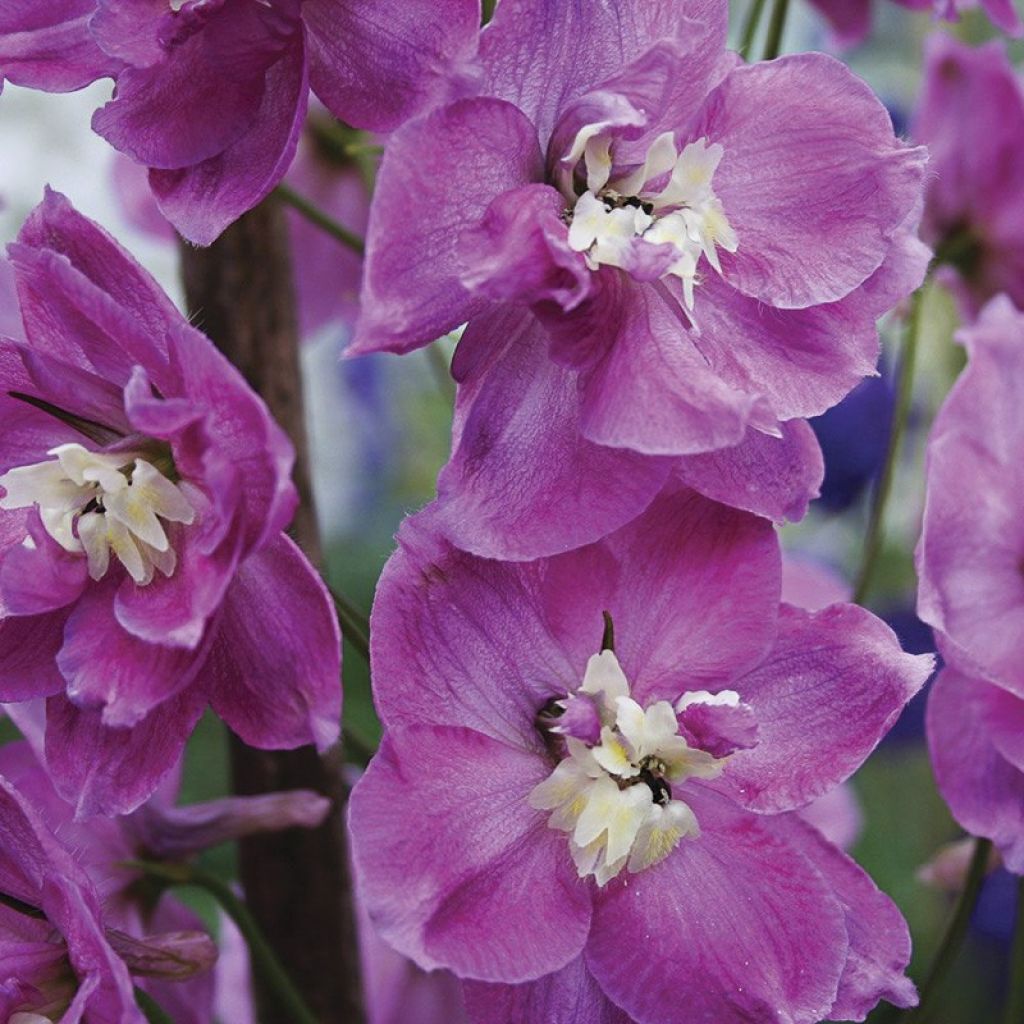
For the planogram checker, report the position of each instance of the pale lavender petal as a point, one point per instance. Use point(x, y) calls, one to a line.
point(459, 883)
point(831, 688)
point(274, 674)
point(568, 996)
point(515, 404)
point(107, 771)
point(984, 790)
point(438, 177)
point(734, 925)
point(816, 192)
point(377, 63)
point(775, 477)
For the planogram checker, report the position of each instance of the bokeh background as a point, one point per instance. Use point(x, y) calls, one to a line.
point(380, 432)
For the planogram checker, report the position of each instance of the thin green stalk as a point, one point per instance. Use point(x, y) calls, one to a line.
point(441, 369)
point(266, 965)
point(322, 220)
point(1014, 1013)
point(750, 27)
point(153, 1011)
point(355, 626)
point(901, 413)
point(773, 43)
point(955, 934)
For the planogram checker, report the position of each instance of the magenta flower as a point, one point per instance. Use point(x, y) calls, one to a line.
point(211, 95)
point(60, 958)
point(850, 20)
point(971, 587)
point(143, 571)
point(156, 831)
point(496, 835)
point(971, 115)
point(651, 268)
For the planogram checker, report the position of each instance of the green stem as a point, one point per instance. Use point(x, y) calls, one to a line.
point(773, 44)
point(750, 27)
point(901, 413)
point(955, 934)
point(1014, 1013)
point(153, 1011)
point(487, 10)
point(322, 220)
point(355, 626)
point(265, 963)
point(440, 367)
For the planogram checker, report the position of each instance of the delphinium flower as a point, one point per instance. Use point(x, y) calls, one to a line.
point(60, 958)
point(850, 20)
point(583, 801)
point(143, 569)
point(970, 560)
point(971, 115)
point(158, 831)
point(661, 253)
point(211, 95)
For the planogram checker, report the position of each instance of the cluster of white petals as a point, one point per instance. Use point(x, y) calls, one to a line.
point(101, 503)
point(614, 798)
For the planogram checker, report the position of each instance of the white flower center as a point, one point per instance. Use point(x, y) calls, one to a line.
point(614, 798)
point(98, 503)
point(668, 200)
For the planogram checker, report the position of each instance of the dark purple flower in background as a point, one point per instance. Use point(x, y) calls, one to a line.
point(143, 571)
point(970, 560)
point(658, 279)
point(652, 871)
point(211, 95)
point(971, 115)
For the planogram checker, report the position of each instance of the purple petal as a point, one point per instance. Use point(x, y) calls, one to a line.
point(802, 361)
point(109, 669)
point(832, 686)
point(972, 542)
point(201, 200)
point(879, 937)
point(111, 771)
point(47, 45)
point(814, 193)
point(274, 674)
point(542, 54)
point(438, 177)
point(376, 63)
point(39, 577)
point(458, 640)
point(522, 481)
point(774, 477)
point(734, 925)
point(984, 790)
point(458, 884)
point(568, 996)
point(651, 390)
point(28, 647)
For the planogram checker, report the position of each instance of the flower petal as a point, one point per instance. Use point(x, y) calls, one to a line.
point(453, 862)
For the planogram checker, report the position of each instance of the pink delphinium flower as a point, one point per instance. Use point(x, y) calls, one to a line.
point(970, 560)
point(211, 95)
point(661, 253)
point(157, 831)
point(850, 20)
point(971, 115)
point(61, 958)
point(143, 571)
point(639, 861)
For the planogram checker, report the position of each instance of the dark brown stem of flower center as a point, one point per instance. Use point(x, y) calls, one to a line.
point(297, 882)
point(608, 636)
